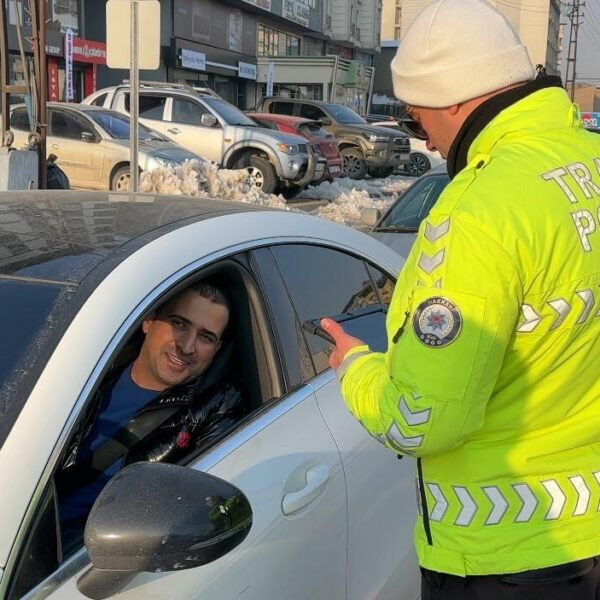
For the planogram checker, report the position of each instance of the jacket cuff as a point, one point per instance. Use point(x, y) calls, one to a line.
point(350, 356)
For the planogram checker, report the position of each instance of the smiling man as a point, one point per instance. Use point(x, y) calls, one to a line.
point(156, 404)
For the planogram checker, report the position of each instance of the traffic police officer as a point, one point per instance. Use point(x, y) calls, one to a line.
point(492, 374)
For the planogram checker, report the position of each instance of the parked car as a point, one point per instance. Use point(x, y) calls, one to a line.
point(80, 272)
point(421, 158)
point(322, 142)
point(398, 227)
point(220, 132)
point(91, 145)
point(364, 148)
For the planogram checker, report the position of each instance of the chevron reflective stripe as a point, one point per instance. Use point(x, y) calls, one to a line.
point(398, 441)
point(499, 504)
point(413, 418)
point(529, 501)
point(532, 319)
point(468, 508)
point(587, 297)
point(429, 263)
point(597, 476)
point(583, 495)
point(558, 499)
point(434, 233)
point(562, 309)
point(438, 510)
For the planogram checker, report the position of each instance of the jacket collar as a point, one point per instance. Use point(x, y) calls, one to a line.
point(486, 117)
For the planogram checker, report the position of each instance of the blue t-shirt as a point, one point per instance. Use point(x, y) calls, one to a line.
point(120, 405)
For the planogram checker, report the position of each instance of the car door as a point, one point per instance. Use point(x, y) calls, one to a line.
point(285, 460)
point(381, 493)
point(185, 128)
point(152, 110)
point(81, 159)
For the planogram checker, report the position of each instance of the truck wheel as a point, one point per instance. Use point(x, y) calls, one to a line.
point(262, 174)
point(121, 179)
point(418, 164)
point(381, 171)
point(355, 165)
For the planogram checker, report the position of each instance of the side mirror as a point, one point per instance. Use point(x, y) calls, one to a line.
point(88, 136)
point(208, 120)
point(325, 121)
point(370, 216)
point(156, 517)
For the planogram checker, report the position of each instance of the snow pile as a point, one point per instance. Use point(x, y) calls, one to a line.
point(204, 179)
point(346, 208)
point(392, 185)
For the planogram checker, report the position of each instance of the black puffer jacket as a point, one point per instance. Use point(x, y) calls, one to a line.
point(179, 420)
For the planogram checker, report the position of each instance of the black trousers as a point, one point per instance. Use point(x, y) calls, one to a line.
point(575, 581)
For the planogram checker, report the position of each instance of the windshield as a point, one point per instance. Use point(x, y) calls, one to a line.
point(343, 114)
point(229, 113)
point(313, 129)
point(117, 126)
point(414, 205)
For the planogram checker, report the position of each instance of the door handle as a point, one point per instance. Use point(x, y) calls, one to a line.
point(174, 130)
point(316, 479)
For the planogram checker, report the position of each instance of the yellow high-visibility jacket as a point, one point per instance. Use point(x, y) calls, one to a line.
point(492, 374)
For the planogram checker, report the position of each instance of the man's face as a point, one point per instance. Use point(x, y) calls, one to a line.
point(438, 124)
point(181, 341)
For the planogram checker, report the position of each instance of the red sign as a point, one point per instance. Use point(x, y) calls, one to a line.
point(89, 51)
point(53, 89)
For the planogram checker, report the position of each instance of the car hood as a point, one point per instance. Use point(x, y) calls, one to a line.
point(372, 129)
point(399, 242)
point(167, 150)
point(262, 134)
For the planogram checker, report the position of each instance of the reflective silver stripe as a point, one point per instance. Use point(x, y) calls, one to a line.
point(398, 441)
point(532, 319)
point(499, 504)
point(429, 263)
point(438, 284)
point(433, 233)
point(562, 308)
point(438, 510)
point(558, 499)
point(413, 418)
point(587, 296)
point(583, 495)
point(597, 476)
point(468, 509)
point(529, 500)
point(345, 365)
point(419, 503)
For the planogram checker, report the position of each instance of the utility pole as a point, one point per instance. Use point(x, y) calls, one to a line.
point(574, 18)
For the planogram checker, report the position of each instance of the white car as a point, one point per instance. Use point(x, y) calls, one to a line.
point(319, 509)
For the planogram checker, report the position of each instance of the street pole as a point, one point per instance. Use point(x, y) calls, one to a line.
point(133, 97)
point(43, 94)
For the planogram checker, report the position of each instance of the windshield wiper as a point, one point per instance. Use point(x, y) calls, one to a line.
point(397, 229)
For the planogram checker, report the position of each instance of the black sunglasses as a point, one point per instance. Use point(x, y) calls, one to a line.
point(412, 128)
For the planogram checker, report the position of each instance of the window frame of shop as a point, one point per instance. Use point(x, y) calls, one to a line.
point(270, 42)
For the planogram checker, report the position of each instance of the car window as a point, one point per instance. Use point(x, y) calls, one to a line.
point(313, 129)
point(151, 106)
point(308, 111)
point(99, 100)
point(414, 205)
point(321, 282)
point(19, 120)
point(188, 112)
point(282, 108)
point(117, 125)
point(68, 125)
point(383, 283)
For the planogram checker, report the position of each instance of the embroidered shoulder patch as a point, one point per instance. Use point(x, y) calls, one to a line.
point(437, 322)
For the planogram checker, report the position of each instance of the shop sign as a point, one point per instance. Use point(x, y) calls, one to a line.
point(266, 4)
point(52, 50)
point(89, 51)
point(270, 79)
point(53, 90)
point(297, 11)
point(247, 70)
point(193, 60)
point(70, 95)
point(591, 120)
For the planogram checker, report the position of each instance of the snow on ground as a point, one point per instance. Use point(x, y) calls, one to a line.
point(347, 197)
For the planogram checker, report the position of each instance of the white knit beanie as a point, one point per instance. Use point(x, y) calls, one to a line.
point(456, 50)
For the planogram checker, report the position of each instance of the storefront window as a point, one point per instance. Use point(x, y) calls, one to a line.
point(62, 15)
point(277, 43)
point(293, 90)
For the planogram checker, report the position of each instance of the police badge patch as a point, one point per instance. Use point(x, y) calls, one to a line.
point(437, 322)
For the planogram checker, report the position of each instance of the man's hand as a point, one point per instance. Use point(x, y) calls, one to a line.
point(343, 342)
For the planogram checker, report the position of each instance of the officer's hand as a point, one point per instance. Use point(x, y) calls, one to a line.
point(343, 342)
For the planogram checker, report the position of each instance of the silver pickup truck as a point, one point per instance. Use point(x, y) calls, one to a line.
point(218, 131)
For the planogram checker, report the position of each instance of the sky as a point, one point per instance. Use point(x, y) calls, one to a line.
point(588, 46)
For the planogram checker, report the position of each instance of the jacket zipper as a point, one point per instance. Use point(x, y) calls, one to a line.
point(426, 525)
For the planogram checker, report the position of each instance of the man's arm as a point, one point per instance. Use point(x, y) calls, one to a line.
point(451, 319)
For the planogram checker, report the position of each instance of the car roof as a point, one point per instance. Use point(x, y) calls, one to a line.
point(63, 236)
point(296, 100)
point(440, 169)
point(286, 119)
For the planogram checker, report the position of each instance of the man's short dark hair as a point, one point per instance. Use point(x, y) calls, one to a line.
point(211, 290)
